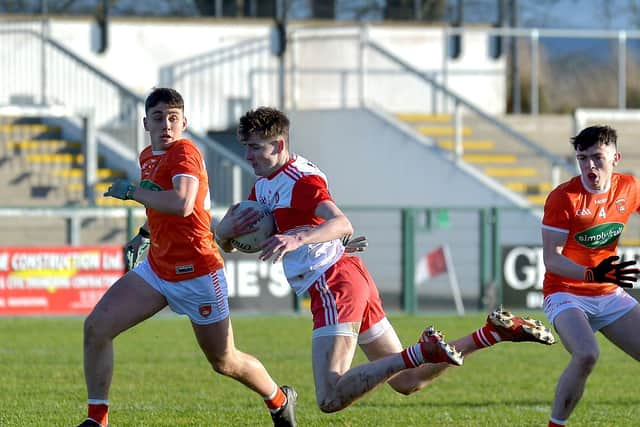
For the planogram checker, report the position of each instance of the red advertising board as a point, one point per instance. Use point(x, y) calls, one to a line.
point(56, 280)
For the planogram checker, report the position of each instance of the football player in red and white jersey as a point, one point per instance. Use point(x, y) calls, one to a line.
point(583, 219)
point(312, 241)
point(183, 270)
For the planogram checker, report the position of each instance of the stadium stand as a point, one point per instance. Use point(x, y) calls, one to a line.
point(42, 168)
point(491, 153)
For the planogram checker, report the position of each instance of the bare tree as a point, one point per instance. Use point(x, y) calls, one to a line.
point(424, 10)
point(323, 9)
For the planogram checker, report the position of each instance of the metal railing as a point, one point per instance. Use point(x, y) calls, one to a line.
point(221, 84)
point(396, 242)
point(63, 78)
point(463, 111)
point(535, 37)
point(368, 75)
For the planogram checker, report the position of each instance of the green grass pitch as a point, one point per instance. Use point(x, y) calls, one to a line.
point(162, 379)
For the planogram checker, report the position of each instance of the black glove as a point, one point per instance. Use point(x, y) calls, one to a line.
point(607, 271)
point(136, 249)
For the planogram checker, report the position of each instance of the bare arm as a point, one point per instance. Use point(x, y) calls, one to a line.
point(335, 226)
point(178, 201)
point(552, 244)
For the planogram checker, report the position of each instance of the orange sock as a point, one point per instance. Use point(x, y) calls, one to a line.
point(276, 400)
point(99, 412)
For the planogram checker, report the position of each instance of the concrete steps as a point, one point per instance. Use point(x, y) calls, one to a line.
point(554, 133)
point(493, 154)
point(43, 169)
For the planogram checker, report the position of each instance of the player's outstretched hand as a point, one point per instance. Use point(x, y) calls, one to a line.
point(357, 244)
point(122, 189)
point(621, 274)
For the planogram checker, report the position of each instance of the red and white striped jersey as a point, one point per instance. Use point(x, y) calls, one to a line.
point(292, 193)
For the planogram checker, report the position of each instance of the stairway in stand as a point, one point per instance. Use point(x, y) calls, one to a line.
point(41, 169)
point(490, 152)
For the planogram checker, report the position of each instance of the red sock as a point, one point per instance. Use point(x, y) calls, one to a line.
point(99, 412)
point(552, 424)
point(277, 401)
point(413, 356)
point(485, 336)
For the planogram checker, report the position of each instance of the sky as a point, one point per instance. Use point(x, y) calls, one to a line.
point(585, 14)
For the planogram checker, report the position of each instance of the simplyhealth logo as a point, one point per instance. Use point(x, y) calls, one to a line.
point(600, 235)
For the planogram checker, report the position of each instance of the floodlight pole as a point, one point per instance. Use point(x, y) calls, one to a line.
point(44, 37)
point(281, 27)
point(515, 66)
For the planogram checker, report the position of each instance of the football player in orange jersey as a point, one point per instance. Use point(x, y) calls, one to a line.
point(183, 270)
point(582, 221)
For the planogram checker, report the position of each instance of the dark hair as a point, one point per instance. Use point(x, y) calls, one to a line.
point(595, 135)
point(169, 96)
point(263, 122)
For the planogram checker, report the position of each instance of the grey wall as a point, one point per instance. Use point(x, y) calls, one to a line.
point(370, 160)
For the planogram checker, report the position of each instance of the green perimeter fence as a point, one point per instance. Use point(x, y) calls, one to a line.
point(492, 255)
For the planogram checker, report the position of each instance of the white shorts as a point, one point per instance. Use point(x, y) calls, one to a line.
point(204, 299)
point(600, 311)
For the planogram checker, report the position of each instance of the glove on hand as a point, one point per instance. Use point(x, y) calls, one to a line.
point(357, 244)
point(607, 271)
point(122, 189)
point(136, 249)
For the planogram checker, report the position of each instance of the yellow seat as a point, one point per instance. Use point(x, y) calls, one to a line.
point(423, 117)
point(436, 131)
point(490, 158)
point(515, 172)
point(468, 144)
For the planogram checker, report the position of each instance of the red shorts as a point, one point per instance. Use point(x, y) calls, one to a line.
point(346, 294)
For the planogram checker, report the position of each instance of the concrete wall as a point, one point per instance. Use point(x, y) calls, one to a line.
point(370, 162)
point(395, 165)
point(322, 65)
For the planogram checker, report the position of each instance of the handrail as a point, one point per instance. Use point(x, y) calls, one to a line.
point(208, 142)
point(135, 105)
point(541, 151)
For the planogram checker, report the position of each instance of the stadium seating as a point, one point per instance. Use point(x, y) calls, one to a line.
point(41, 169)
point(493, 154)
point(519, 171)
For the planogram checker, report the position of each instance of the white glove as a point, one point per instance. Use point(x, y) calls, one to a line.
point(357, 244)
point(136, 249)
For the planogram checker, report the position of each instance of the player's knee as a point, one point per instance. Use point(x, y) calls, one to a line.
point(223, 365)
point(329, 403)
point(329, 406)
point(586, 360)
point(94, 330)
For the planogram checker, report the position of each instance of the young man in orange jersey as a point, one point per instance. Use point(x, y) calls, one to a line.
point(183, 270)
point(583, 219)
point(345, 304)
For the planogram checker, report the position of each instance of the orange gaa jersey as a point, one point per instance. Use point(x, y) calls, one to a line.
point(593, 223)
point(181, 247)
